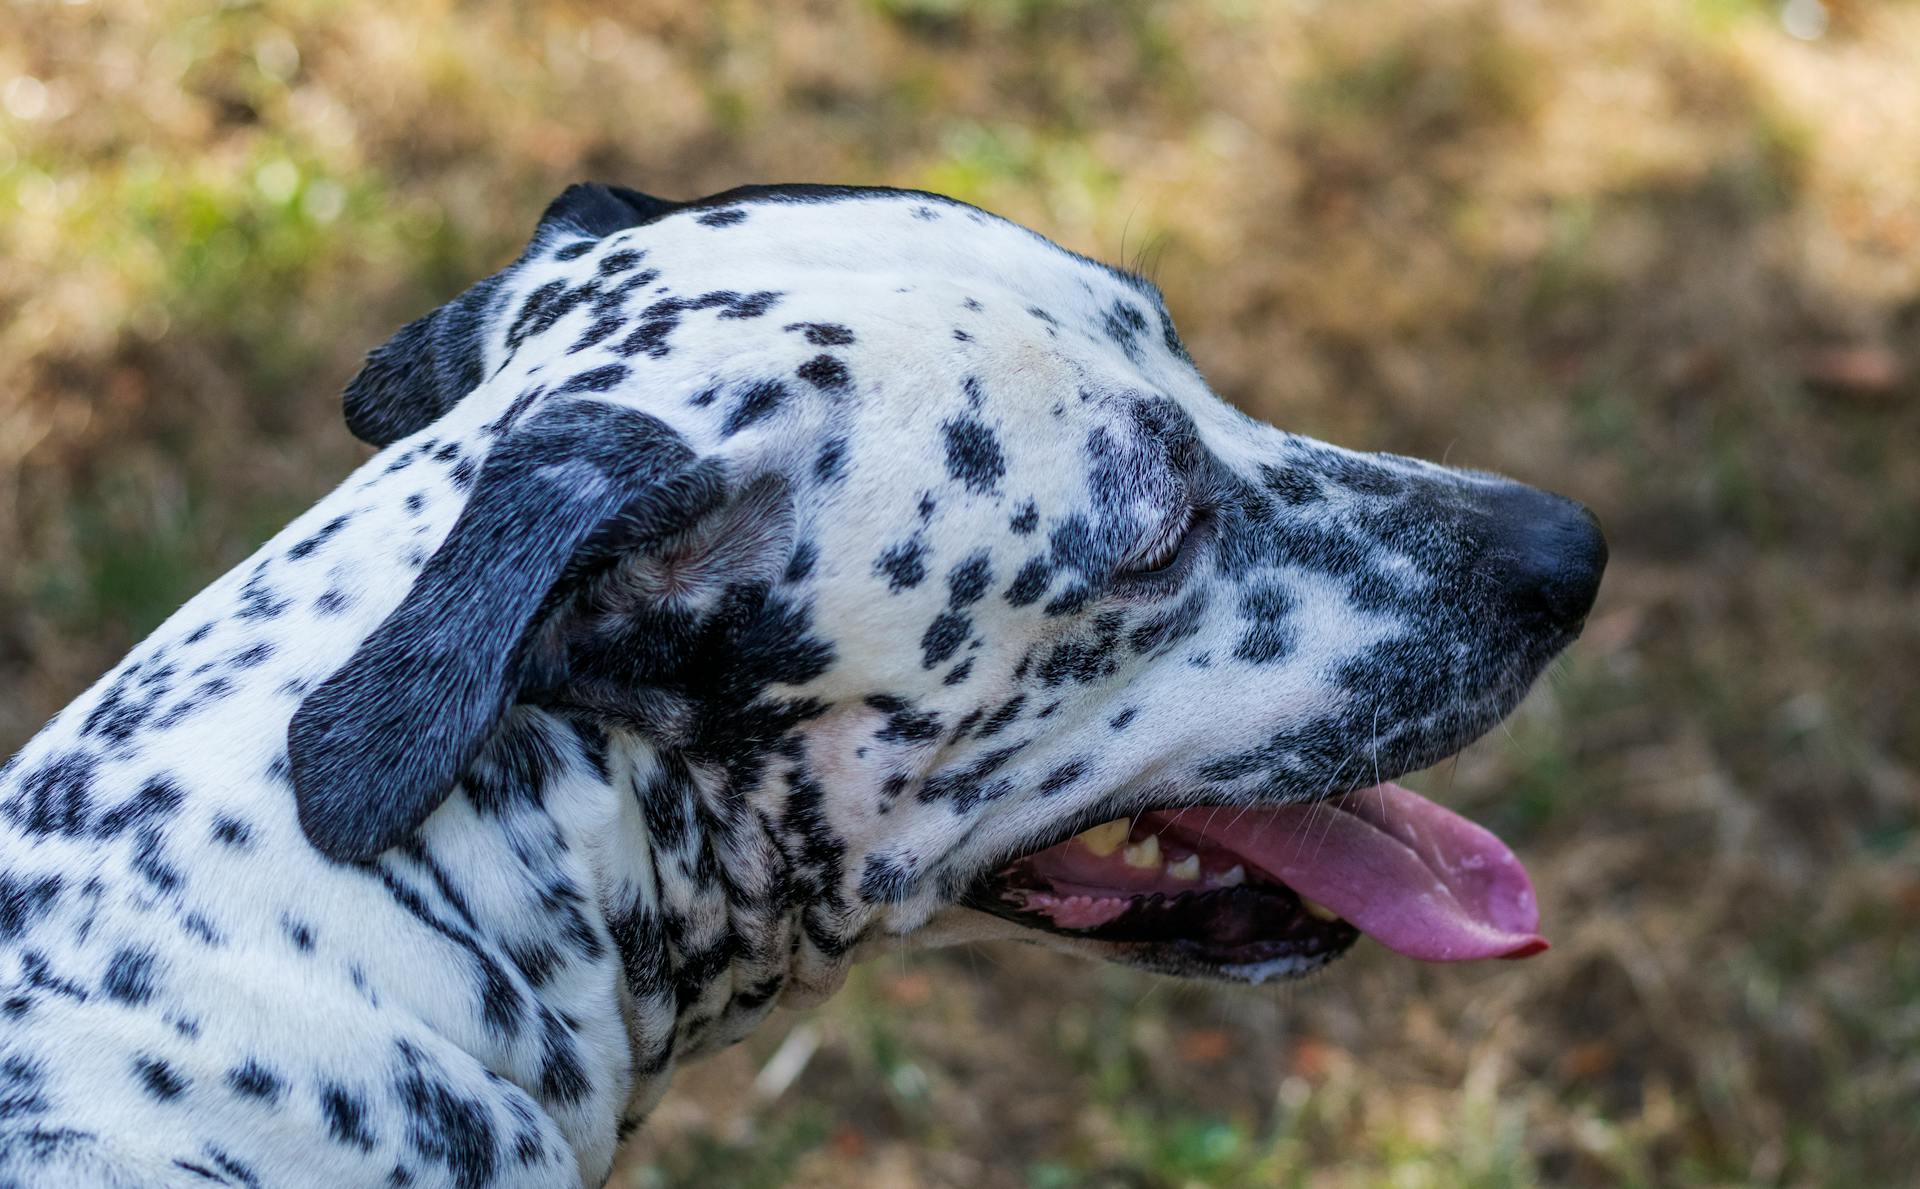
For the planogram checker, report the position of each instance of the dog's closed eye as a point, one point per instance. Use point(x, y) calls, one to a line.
point(1164, 558)
point(1160, 549)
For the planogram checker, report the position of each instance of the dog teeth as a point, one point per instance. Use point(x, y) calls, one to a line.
point(1144, 854)
point(1318, 911)
point(1187, 868)
point(1104, 838)
point(1232, 877)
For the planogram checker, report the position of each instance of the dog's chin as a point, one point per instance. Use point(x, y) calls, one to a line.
point(1242, 935)
point(1182, 957)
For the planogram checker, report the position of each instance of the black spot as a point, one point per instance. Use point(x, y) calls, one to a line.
point(823, 334)
point(943, 637)
point(250, 1079)
point(299, 933)
point(1069, 600)
point(574, 250)
point(1172, 339)
point(958, 673)
point(760, 993)
point(161, 1081)
point(598, 379)
point(1062, 777)
point(511, 416)
point(1171, 627)
point(1002, 717)
point(832, 461)
point(726, 216)
point(253, 655)
point(973, 454)
point(21, 1084)
point(444, 1127)
point(602, 328)
point(752, 305)
point(224, 1170)
point(158, 799)
point(331, 602)
point(150, 861)
point(1269, 637)
point(1124, 325)
point(800, 567)
point(40, 974)
point(463, 473)
point(970, 786)
point(755, 403)
point(120, 712)
point(967, 582)
point(1119, 721)
point(886, 881)
point(1293, 487)
point(320, 536)
point(346, 1115)
point(562, 1078)
point(904, 565)
point(536, 960)
point(1026, 519)
point(129, 977)
point(905, 724)
point(55, 797)
point(621, 261)
point(23, 903)
point(231, 831)
point(1031, 582)
point(961, 336)
point(824, 371)
point(1085, 657)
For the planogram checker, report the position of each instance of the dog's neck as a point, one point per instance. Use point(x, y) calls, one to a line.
point(706, 918)
point(583, 911)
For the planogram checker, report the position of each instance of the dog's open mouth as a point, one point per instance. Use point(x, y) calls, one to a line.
point(1284, 889)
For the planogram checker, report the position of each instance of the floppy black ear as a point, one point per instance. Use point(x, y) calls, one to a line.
point(431, 362)
point(378, 745)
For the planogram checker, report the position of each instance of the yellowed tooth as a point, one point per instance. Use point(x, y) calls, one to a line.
point(1104, 838)
point(1187, 868)
point(1143, 854)
point(1232, 877)
point(1318, 911)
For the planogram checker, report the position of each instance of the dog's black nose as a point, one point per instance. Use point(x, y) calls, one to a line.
point(1546, 554)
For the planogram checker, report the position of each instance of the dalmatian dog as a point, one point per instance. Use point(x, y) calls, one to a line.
point(740, 582)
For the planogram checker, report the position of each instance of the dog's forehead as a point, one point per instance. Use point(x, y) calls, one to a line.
point(906, 273)
point(959, 323)
point(919, 240)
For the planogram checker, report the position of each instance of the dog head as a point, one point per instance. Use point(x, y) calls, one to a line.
point(920, 548)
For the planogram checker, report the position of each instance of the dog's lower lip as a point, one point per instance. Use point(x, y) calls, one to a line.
point(1418, 878)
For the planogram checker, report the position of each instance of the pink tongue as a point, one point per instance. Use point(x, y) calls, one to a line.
point(1418, 879)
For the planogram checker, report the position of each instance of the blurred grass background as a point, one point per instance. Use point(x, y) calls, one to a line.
point(1663, 255)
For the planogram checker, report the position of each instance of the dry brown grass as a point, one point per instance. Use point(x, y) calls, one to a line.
point(1658, 255)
